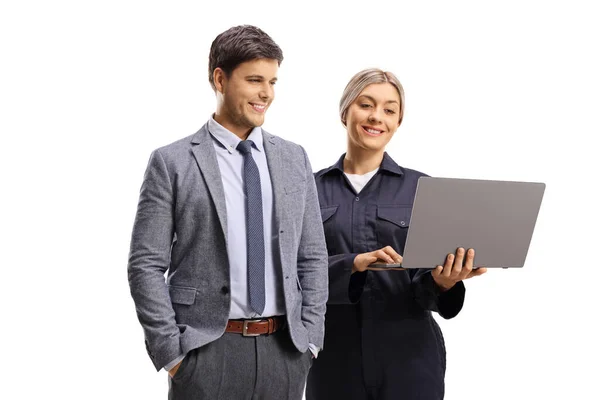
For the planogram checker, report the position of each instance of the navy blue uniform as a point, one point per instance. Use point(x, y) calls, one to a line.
point(381, 341)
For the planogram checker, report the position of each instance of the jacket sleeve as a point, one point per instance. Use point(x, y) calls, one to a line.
point(312, 264)
point(149, 260)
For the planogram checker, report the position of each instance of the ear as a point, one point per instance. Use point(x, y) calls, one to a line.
point(219, 78)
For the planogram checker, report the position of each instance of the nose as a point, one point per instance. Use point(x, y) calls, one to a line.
point(374, 116)
point(266, 91)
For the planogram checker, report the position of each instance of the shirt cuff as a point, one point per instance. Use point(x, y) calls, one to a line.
point(314, 350)
point(173, 363)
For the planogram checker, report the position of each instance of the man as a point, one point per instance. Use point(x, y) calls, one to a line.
point(231, 215)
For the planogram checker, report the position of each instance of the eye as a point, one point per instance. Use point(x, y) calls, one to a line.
point(391, 112)
point(254, 80)
point(364, 105)
point(273, 83)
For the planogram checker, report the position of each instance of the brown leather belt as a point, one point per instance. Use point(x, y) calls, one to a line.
point(255, 327)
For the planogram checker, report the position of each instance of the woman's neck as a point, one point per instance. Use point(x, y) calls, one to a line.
point(360, 161)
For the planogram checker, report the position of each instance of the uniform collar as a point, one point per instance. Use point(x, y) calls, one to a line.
point(387, 164)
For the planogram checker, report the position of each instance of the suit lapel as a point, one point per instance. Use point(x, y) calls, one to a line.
point(274, 162)
point(206, 157)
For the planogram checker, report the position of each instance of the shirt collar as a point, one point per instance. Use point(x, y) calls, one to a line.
point(229, 140)
point(387, 164)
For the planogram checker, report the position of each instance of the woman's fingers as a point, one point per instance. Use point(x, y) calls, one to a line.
point(448, 266)
point(389, 250)
point(384, 256)
point(467, 265)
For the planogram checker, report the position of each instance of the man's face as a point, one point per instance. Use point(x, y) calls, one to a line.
point(244, 97)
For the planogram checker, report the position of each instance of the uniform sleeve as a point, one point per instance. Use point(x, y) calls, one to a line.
point(345, 287)
point(447, 304)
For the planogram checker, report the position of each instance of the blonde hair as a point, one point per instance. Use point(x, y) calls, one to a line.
point(360, 81)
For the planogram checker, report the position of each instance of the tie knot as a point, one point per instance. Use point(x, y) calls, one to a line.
point(245, 146)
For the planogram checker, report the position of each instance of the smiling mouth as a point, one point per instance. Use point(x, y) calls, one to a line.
point(372, 131)
point(259, 108)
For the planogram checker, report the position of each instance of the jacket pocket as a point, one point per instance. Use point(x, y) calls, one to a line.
point(182, 295)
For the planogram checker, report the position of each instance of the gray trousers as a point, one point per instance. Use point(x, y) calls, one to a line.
point(235, 367)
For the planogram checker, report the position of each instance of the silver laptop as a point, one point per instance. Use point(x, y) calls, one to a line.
point(496, 218)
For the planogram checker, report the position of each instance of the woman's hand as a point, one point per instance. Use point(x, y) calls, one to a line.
point(456, 268)
point(386, 255)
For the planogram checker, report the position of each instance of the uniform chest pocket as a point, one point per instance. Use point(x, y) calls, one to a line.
point(392, 225)
point(329, 227)
point(328, 212)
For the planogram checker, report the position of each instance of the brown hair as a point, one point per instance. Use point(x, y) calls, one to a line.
point(240, 44)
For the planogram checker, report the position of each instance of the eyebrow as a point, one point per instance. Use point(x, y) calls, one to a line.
point(373, 100)
point(259, 77)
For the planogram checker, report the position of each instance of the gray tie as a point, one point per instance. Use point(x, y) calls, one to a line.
point(254, 229)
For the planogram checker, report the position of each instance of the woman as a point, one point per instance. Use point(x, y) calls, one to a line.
point(381, 341)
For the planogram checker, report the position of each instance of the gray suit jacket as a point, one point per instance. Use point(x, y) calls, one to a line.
point(180, 229)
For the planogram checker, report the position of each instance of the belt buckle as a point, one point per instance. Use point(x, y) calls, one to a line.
point(245, 329)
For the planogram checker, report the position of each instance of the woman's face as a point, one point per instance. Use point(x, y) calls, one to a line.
point(373, 117)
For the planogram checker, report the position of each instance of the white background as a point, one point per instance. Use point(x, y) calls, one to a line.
point(495, 90)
